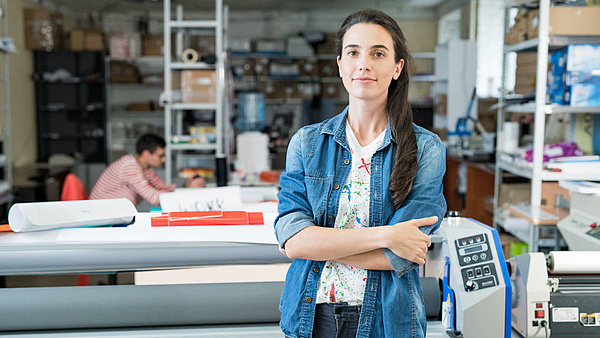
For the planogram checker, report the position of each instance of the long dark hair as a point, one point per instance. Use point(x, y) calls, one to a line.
point(398, 110)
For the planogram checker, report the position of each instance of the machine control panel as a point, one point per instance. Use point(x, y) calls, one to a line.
point(479, 277)
point(473, 250)
point(594, 230)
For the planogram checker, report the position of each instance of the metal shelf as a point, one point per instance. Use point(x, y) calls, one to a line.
point(192, 23)
point(552, 108)
point(195, 65)
point(555, 42)
point(194, 106)
point(527, 172)
point(193, 146)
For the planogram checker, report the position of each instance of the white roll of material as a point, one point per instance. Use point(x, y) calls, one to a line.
point(580, 262)
point(189, 55)
point(253, 152)
point(24, 217)
point(510, 136)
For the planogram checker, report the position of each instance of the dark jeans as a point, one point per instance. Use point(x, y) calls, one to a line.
point(336, 320)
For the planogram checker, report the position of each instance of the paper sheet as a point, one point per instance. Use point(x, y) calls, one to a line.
point(24, 217)
point(141, 231)
point(202, 199)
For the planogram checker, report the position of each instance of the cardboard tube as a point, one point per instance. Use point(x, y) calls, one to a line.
point(189, 56)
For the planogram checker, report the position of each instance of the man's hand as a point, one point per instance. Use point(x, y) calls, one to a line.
point(195, 182)
point(407, 241)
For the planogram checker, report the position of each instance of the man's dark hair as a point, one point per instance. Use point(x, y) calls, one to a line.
point(149, 142)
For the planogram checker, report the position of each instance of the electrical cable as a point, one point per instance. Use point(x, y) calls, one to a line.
point(545, 326)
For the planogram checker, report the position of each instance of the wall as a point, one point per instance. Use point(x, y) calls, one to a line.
point(22, 90)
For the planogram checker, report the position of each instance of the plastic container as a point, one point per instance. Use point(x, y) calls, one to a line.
point(251, 109)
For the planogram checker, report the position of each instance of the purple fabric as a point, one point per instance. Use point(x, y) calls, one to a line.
point(555, 150)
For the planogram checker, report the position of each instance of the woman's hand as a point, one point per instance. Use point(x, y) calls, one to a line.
point(407, 241)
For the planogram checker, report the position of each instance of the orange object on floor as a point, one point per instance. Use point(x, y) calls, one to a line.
point(5, 228)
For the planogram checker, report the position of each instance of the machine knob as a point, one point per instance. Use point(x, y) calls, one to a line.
point(452, 213)
point(470, 285)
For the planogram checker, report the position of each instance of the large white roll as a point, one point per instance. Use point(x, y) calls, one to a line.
point(24, 217)
point(574, 262)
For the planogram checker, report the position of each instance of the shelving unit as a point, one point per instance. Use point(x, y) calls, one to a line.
point(535, 171)
point(71, 111)
point(125, 126)
point(176, 153)
point(6, 195)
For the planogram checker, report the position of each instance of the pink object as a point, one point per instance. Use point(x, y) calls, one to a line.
point(555, 150)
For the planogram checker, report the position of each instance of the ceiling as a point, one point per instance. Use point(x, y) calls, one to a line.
point(85, 6)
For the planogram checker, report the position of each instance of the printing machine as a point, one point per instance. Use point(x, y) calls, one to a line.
point(556, 299)
point(474, 297)
point(476, 290)
point(580, 229)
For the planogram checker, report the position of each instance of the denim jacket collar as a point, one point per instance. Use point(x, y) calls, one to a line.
point(336, 126)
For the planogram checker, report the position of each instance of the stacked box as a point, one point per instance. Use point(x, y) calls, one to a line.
point(198, 86)
point(583, 75)
point(557, 91)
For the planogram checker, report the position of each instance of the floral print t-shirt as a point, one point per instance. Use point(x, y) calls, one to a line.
point(340, 282)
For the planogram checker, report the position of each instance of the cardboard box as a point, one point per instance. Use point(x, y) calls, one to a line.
point(567, 20)
point(43, 29)
point(329, 68)
point(123, 72)
point(86, 39)
point(152, 45)
point(328, 45)
point(125, 45)
point(198, 86)
point(278, 89)
point(332, 90)
point(516, 193)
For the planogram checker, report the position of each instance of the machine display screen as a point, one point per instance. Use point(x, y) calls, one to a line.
point(473, 249)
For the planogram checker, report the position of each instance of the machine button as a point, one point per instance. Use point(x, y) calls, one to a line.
point(486, 270)
point(475, 258)
point(470, 273)
point(308, 300)
point(483, 255)
point(463, 242)
point(470, 285)
point(539, 305)
point(467, 259)
point(316, 269)
point(535, 323)
point(471, 241)
point(478, 272)
point(539, 313)
point(478, 239)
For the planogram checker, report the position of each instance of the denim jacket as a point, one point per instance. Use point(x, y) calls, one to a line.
point(316, 166)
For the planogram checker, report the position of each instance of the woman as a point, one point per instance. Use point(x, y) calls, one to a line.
point(359, 196)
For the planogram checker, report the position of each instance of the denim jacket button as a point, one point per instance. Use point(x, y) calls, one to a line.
point(308, 300)
point(331, 218)
point(346, 161)
point(336, 186)
point(316, 269)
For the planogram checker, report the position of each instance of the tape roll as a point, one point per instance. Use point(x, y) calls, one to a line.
point(189, 56)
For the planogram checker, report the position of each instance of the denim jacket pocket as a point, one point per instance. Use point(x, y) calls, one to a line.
point(317, 188)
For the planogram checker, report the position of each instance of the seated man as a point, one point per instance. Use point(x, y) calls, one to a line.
point(134, 178)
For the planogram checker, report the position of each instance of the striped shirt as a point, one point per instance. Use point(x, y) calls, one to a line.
point(124, 178)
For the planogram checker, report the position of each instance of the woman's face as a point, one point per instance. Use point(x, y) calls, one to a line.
point(367, 63)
